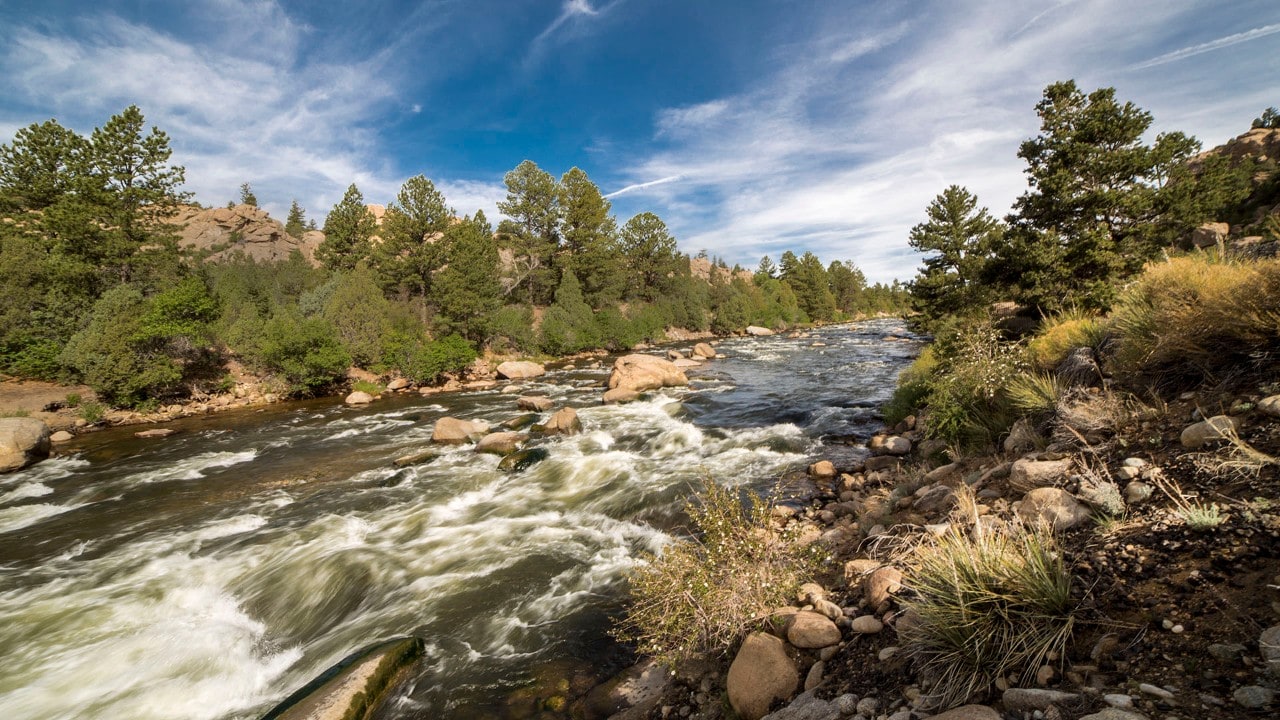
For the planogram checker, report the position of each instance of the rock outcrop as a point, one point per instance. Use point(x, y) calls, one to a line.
point(219, 233)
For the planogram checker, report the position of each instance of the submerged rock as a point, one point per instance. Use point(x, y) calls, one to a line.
point(355, 687)
point(522, 459)
point(521, 422)
point(620, 395)
point(23, 441)
point(536, 403)
point(418, 458)
point(155, 433)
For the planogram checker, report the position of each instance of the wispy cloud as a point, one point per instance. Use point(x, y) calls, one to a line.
point(573, 14)
point(643, 185)
point(1222, 42)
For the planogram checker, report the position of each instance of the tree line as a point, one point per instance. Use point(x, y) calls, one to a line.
point(1101, 203)
point(94, 288)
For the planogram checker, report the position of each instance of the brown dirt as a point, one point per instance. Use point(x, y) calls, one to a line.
point(42, 400)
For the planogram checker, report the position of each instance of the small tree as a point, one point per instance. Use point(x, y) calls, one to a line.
point(246, 195)
point(467, 291)
point(295, 223)
point(958, 237)
point(347, 230)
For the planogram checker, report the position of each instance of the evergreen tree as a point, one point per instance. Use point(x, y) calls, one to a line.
point(467, 291)
point(411, 229)
point(651, 255)
point(347, 230)
point(569, 326)
point(589, 248)
point(532, 235)
point(295, 223)
point(958, 237)
point(246, 195)
point(44, 163)
point(766, 270)
point(357, 312)
point(808, 280)
point(847, 284)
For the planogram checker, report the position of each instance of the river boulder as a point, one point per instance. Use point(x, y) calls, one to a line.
point(620, 395)
point(452, 431)
point(645, 372)
point(523, 459)
point(500, 443)
point(563, 422)
point(359, 397)
point(521, 422)
point(355, 687)
point(520, 370)
point(704, 351)
point(757, 331)
point(762, 673)
point(23, 441)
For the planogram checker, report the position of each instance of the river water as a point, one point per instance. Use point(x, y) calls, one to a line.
point(211, 573)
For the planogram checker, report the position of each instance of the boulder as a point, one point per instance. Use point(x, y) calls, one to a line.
point(358, 397)
point(521, 422)
point(1210, 234)
point(881, 462)
point(500, 443)
point(620, 395)
point(822, 469)
point(761, 674)
point(637, 689)
point(704, 350)
point(536, 403)
point(522, 459)
point(398, 384)
point(897, 445)
point(563, 422)
point(866, 625)
point(520, 370)
point(881, 584)
point(674, 355)
point(418, 458)
point(757, 331)
point(645, 372)
point(1027, 474)
point(811, 630)
point(60, 436)
point(1270, 406)
point(1022, 438)
point(452, 431)
point(934, 500)
point(23, 441)
point(1053, 507)
point(355, 687)
point(1218, 427)
point(1269, 646)
point(684, 363)
point(155, 433)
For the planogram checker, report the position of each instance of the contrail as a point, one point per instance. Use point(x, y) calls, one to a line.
point(643, 185)
point(1209, 46)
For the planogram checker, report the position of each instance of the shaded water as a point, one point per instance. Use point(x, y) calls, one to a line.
point(209, 574)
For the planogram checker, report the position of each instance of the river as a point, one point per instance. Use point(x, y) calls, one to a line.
point(211, 573)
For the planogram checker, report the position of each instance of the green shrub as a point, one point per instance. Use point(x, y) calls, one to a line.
point(512, 329)
point(365, 386)
point(1033, 393)
point(72, 400)
point(304, 351)
point(986, 606)
point(703, 594)
point(913, 387)
point(967, 398)
point(358, 312)
point(92, 412)
point(1060, 334)
point(428, 361)
point(1194, 318)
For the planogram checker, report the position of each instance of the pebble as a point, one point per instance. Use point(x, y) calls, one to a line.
point(1118, 700)
point(888, 652)
point(868, 706)
point(867, 625)
point(1155, 691)
point(1254, 696)
point(847, 704)
point(1134, 462)
point(1167, 624)
point(1177, 629)
point(1044, 675)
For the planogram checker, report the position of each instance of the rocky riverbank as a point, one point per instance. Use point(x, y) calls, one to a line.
point(1166, 525)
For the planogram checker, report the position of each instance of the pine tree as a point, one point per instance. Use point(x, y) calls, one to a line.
point(467, 291)
point(589, 247)
point(44, 163)
point(410, 253)
point(532, 234)
point(295, 223)
point(958, 237)
point(246, 195)
point(347, 230)
point(651, 255)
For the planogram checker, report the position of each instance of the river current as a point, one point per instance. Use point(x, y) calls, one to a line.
point(211, 573)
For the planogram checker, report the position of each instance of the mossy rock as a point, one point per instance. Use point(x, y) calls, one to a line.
point(522, 459)
point(355, 687)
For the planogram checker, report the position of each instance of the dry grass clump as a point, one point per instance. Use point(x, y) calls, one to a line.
point(703, 594)
point(1034, 393)
point(1193, 318)
point(1195, 514)
point(983, 606)
point(1059, 334)
point(1236, 457)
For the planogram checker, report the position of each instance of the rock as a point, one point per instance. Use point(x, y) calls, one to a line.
point(1269, 646)
point(1118, 700)
point(23, 441)
point(1113, 714)
point(645, 372)
point(822, 469)
point(829, 609)
point(704, 350)
point(935, 499)
point(60, 436)
point(563, 422)
point(355, 687)
point(520, 370)
point(1022, 438)
point(417, 458)
point(243, 229)
point(521, 459)
point(1218, 427)
point(806, 706)
point(814, 677)
point(536, 403)
point(949, 473)
point(1210, 234)
point(810, 593)
point(1026, 699)
point(1027, 474)
point(881, 462)
point(1127, 473)
point(811, 630)
point(1228, 652)
point(155, 433)
point(757, 331)
point(359, 397)
point(1154, 691)
point(1053, 507)
point(683, 363)
point(868, 706)
point(968, 712)
point(866, 625)
point(1270, 406)
point(500, 443)
point(398, 384)
point(452, 431)
point(1079, 369)
point(521, 422)
point(639, 686)
point(620, 395)
point(761, 674)
point(1137, 491)
point(1254, 696)
point(674, 355)
point(897, 445)
point(881, 585)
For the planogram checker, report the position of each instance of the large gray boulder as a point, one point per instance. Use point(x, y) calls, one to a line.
point(520, 370)
point(23, 441)
point(645, 372)
point(762, 673)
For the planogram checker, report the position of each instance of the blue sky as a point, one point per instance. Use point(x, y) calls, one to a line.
point(751, 127)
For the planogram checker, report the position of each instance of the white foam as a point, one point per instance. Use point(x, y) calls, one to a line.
point(26, 490)
point(195, 467)
point(15, 518)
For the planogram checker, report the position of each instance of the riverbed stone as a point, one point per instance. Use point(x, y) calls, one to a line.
point(500, 443)
point(23, 441)
point(1254, 696)
point(536, 403)
point(521, 422)
point(398, 384)
point(1269, 645)
point(1113, 713)
point(1270, 406)
point(520, 370)
point(453, 431)
point(618, 396)
point(637, 690)
point(61, 436)
point(564, 421)
point(1030, 699)
point(360, 686)
point(968, 712)
point(881, 584)
point(1054, 507)
point(811, 630)
point(359, 397)
point(645, 372)
point(822, 469)
point(757, 331)
point(866, 625)
point(704, 350)
point(521, 460)
point(1028, 474)
point(155, 433)
point(762, 673)
point(1218, 427)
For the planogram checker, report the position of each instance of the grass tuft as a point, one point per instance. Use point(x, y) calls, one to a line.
point(1060, 334)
